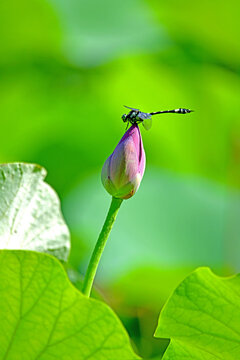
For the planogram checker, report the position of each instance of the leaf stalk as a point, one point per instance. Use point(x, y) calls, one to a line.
point(100, 245)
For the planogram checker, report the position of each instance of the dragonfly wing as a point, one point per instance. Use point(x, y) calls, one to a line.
point(130, 107)
point(147, 123)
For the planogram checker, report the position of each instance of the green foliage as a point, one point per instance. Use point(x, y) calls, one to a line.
point(30, 212)
point(158, 284)
point(67, 68)
point(202, 318)
point(109, 32)
point(155, 230)
point(53, 74)
point(43, 316)
point(199, 27)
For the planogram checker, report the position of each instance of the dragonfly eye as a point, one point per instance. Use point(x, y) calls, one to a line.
point(124, 118)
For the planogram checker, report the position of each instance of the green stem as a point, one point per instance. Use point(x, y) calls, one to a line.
point(99, 247)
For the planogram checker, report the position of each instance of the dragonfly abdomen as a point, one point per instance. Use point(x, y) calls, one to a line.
point(182, 111)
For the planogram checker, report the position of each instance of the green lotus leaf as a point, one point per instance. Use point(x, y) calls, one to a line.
point(202, 318)
point(30, 215)
point(44, 317)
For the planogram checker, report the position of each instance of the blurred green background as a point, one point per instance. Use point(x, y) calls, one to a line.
point(66, 69)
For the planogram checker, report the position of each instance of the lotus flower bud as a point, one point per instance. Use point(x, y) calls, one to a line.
point(122, 172)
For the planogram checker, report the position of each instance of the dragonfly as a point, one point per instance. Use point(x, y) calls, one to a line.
point(135, 116)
